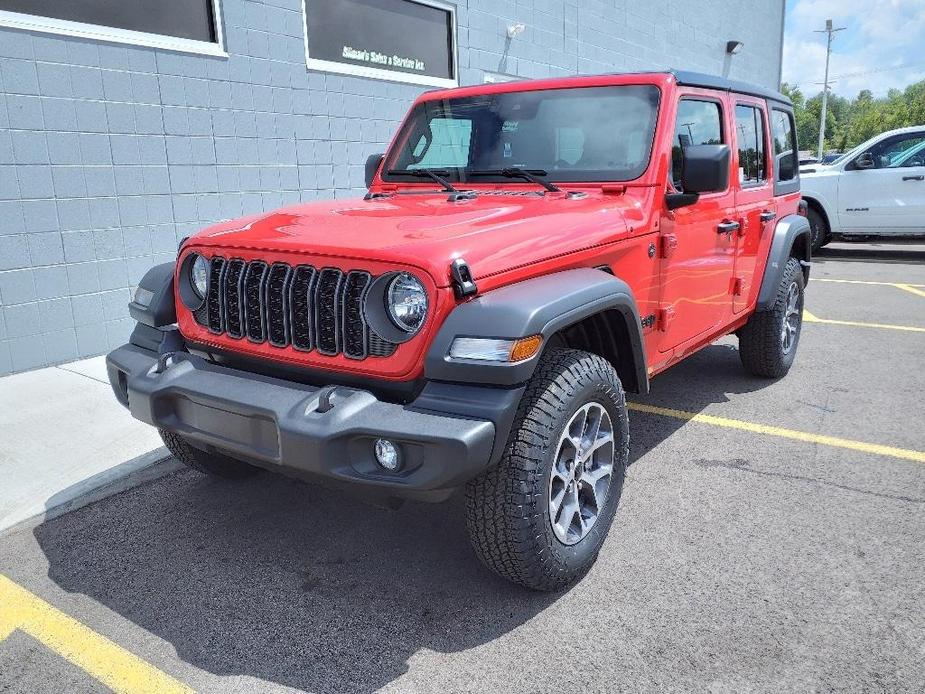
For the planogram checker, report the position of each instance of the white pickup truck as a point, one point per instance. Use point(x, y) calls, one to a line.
point(876, 189)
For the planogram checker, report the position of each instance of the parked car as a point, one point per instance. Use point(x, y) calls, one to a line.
point(830, 158)
point(527, 253)
point(876, 189)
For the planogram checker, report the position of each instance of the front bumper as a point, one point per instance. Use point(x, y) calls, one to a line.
point(277, 424)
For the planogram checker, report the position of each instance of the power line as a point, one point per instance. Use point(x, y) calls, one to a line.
point(862, 74)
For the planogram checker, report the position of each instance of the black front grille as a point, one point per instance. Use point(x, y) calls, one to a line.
point(302, 307)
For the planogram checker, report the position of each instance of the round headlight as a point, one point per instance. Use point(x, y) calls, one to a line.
point(407, 302)
point(199, 276)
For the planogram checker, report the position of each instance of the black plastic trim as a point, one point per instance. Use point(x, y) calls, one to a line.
point(161, 310)
point(447, 436)
point(787, 231)
point(542, 305)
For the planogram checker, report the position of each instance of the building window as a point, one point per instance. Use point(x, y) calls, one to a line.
point(403, 40)
point(750, 134)
point(785, 145)
point(185, 25)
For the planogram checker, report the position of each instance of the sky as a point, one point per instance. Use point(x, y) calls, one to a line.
point(880, 37)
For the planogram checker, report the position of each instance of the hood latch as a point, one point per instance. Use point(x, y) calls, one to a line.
point(463, 284)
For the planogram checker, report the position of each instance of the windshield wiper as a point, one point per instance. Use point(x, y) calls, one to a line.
point(436, 175)
point(532, 175)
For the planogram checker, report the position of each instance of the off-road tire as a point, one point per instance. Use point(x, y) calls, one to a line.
point(507, 507)
point(208, 463)
point(820, 234)
point(761, 346)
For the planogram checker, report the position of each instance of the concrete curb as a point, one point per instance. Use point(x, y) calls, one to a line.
point(145, 468)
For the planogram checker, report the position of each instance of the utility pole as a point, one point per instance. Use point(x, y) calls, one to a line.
point(828, 31)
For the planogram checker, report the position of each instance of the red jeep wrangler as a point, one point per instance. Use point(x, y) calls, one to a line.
point(526, 252)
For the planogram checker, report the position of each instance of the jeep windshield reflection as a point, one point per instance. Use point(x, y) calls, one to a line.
point(587, 134)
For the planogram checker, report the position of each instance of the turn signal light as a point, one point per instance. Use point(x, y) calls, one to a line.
point(526, 347)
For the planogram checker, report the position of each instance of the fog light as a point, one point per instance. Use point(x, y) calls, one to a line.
point(387, 455)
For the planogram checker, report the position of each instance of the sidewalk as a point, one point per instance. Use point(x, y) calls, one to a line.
point(66, 441)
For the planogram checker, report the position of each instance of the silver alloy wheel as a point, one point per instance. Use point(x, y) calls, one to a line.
point(581, 473)
point(792, 317)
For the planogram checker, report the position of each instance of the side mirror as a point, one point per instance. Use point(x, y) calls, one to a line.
point(373, 161)
point(705, 168)
point(865, 161)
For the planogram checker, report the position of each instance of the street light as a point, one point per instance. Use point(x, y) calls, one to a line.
point(732, 48)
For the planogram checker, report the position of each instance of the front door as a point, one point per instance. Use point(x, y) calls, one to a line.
point(698, 242)
point(890, 197)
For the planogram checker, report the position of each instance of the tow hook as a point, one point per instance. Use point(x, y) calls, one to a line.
point(325, 401)
point(164, 361)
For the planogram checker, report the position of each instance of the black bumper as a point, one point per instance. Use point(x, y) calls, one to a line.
point(446, 436)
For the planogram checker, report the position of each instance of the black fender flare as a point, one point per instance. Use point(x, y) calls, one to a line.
point(153, 305)
point(787, 232)
point(538, 306)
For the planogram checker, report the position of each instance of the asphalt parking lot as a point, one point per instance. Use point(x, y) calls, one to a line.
point(770, 538)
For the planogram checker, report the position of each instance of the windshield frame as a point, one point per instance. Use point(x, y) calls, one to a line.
point(406, 130)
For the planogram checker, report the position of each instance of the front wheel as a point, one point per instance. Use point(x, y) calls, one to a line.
point(540, 516)
point(768, 342)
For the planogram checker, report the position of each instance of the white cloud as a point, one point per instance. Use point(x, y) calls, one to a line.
point(880, 36)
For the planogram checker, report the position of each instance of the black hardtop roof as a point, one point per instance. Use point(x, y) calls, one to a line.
point(699, 79)
point(683, 77)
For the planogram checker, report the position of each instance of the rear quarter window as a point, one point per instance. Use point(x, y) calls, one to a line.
point(785, 145)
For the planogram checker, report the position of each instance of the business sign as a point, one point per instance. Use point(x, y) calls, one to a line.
point(405, 40)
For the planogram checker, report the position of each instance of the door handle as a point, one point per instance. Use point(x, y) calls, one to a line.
point(920, 177)
point(727, 227)
point(768, 216)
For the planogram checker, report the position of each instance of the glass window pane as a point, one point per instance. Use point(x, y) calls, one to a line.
point(446, 145)
point(698, 123)
point(785, 150)
point(750, 135)
point(186, 19)
point(900, 152)
point(576, 134)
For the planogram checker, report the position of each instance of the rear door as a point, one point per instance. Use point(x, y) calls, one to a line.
point(889, 198)
point(698, 253)
point(754, 194)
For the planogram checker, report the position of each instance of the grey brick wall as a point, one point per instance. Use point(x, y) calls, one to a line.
point(109, 154)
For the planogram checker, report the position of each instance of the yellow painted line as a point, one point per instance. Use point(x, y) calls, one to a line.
point(881, 284)
point(822, 440)
point(96, 655)
point(914, 289)
point(810, 318)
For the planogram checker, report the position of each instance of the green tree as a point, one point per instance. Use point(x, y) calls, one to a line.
point(850, 122)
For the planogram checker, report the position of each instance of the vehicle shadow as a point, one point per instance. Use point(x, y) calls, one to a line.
point(307, 587)
point(707, 377)
point(284, 581)
point(862, 252)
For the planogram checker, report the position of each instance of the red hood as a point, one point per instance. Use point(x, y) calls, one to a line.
point(492, 232)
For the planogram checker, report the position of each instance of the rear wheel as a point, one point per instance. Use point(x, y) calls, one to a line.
point(819, 229)
point(540, 516)
point(208, 463)
point(768, 342)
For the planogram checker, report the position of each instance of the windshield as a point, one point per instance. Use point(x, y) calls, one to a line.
point(580, 134)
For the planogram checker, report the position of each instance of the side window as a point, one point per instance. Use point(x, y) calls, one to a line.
point(445, 145)
point(903, 151)
point(785, 145)
point(750, 135)
point(698, 123)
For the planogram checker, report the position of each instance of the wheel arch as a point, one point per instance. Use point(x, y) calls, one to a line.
point(583, 308)
point(792, 239)
point(815, 204)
